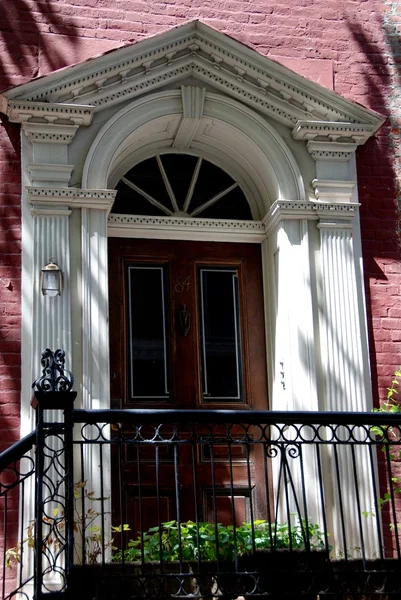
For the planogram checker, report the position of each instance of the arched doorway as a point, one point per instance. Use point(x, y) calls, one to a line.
point(187, 317)
point(224, 139)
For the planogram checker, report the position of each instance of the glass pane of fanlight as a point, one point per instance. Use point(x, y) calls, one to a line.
point(220, 335)
point(148, 373)
point(179, 185)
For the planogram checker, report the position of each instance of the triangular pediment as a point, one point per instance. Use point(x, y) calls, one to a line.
point(196, 51)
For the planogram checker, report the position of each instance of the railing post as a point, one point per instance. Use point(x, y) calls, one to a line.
point(54, 495)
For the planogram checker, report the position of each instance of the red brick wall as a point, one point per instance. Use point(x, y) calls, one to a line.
point(347, 44)
point(10, 283)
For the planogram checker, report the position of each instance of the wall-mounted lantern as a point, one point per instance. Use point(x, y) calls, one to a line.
point(51, 279)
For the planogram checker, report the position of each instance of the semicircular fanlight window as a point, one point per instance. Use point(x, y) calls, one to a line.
point(180, 185)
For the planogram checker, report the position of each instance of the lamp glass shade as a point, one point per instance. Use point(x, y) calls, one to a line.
point(51, 280)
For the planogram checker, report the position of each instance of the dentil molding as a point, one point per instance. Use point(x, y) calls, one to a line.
point(42, 197)
point(120, 225)
point(196, 51)
point(331, 150)
point(22, 111)
point(332, 130)
point(49, 133)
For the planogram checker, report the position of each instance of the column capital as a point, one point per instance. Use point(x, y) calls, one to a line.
point(334, 191)
point(44, 172)
point(331, 151)
point(49, 133)
point(314, 211)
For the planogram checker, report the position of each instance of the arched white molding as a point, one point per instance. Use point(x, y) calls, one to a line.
point(230, 135)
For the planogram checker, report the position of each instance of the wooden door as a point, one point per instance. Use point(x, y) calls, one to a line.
point(187, 332)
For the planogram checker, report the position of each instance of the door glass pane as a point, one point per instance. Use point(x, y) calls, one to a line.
point(220, 335)
point(148, 371)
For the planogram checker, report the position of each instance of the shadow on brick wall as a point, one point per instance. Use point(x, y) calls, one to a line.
point(379, 167)
point(23, 26)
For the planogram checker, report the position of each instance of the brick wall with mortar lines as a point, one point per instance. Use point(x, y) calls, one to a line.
point(350, 42)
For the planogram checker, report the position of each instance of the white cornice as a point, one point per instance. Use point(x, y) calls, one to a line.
point(43, 197)
point(21, 111)
point(332, 131)
point(181, 228)
point(199, 51)
point(133, 226)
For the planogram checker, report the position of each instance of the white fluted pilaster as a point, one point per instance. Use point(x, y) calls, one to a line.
point(95, 348)
point(95, 331)
point(343, 353)
point(347, 387)
point(51, 316)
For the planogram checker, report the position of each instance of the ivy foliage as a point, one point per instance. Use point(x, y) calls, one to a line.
point(191, 541)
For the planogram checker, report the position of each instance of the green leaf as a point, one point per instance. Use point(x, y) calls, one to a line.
point(94, 529)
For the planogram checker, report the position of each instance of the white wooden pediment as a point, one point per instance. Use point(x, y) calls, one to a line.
point(196, 51)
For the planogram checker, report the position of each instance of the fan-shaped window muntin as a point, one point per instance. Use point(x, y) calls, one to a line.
point(180, 185)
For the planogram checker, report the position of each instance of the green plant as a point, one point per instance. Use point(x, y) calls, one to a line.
point(89, 532)
point(207, 541)
point(390, 405)
point(386, 433)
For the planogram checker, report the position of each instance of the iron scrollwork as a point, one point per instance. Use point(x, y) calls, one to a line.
point(54, 378)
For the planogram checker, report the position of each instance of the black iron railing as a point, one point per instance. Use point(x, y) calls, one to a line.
point(174, 503)
point(17, 484)
point(225, 502)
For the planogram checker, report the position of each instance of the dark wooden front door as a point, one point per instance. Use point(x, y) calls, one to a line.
point(187, 332)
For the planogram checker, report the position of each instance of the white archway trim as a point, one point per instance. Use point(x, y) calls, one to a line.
point(230, 134)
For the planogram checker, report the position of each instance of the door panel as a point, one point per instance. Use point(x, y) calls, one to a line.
point(187, 331)
point(157, 288)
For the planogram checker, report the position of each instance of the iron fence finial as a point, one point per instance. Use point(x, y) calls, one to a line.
point(54, 378)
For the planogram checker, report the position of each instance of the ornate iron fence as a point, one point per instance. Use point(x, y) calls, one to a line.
point(197, 504)
point(205, 503)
